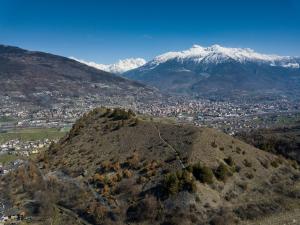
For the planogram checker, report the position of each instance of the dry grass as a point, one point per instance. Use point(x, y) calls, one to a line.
point(127, 164)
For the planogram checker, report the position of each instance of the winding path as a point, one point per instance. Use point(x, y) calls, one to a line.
point(171, 147)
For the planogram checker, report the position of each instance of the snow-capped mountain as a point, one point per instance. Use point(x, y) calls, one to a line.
point(217, 69)
point(119, 67)
point(218, 54)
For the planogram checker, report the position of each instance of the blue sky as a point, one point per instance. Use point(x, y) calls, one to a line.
point(107, 30)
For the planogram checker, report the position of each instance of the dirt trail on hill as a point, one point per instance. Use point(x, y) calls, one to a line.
point(171, 147)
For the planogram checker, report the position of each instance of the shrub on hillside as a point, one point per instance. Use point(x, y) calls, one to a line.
point(179, 181)
point(222, 172)
point(189, 168)
point(141, 180)
point(106, 112)
point(77, 127)
point(274, 164)
point(116, 166)
point(264, 163)
point(229, 161)
point(127, 173)
point(203, 173)
point(98, 178)
point(171, 183)
point(133, 161)
point(238, 150)
point(249, 175)
point(121, 114)
point(247, 163)
point(187, 181)
point(214, 144)
point(294, 164)
point(105, 166)
point(98, 211)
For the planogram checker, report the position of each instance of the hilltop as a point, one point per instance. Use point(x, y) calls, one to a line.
point(115, 167)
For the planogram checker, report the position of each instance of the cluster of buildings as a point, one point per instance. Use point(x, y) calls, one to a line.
point(228, 116)
point(13, 217)
point(23, 148)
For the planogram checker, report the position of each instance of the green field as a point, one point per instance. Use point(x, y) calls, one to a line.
point(32, 134)
point(6, 158)
point(287, 120)
point(5, 119)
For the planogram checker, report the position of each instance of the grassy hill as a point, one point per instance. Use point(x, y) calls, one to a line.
point(114, 167)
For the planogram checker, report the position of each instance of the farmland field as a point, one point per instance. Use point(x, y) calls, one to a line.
point(7, 158)
point(31, 134)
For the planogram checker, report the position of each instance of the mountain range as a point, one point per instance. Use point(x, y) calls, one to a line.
point(40, 78)
point(222, 71)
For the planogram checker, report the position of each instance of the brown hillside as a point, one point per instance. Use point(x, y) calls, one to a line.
point(145, 172)
point(40, 79)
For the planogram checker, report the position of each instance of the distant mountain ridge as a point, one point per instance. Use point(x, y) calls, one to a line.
point(218, 54)
point(220, 70)
point(39, 78)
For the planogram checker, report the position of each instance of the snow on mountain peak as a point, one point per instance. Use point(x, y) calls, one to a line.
point(126, 64)
point(217, 54)
point(119, 67)
point(198, 54)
